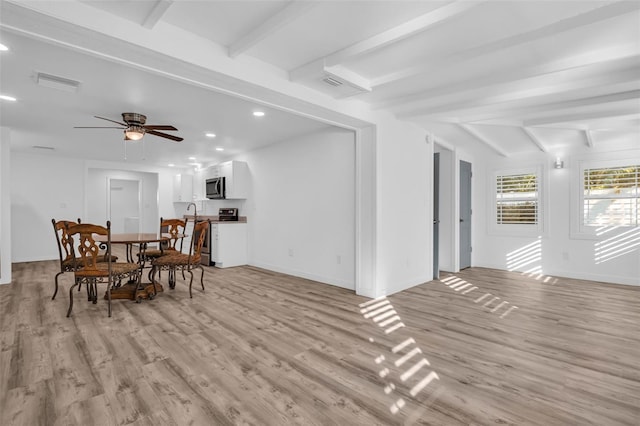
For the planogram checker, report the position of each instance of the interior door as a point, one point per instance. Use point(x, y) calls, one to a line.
point(465, 214)
point(436, 215)
point(124, 205)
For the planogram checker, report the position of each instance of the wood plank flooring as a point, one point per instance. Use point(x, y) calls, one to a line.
point(481, 347)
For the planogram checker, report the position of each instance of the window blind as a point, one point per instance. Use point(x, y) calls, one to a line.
point(612, 196)
point(517, 199)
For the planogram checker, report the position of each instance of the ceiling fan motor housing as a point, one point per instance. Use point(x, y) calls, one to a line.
point(133, 118)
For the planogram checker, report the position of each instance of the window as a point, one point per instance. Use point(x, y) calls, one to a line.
point(611, 196)
point(517, 199)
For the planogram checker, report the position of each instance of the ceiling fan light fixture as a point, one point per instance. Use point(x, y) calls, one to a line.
point(134, 133)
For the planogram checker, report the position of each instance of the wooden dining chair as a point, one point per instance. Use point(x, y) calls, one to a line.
point(65, 249)
point(185, 262)
point(91, 271)
point(176, 230)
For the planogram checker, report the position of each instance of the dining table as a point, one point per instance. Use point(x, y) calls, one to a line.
point(132, 289)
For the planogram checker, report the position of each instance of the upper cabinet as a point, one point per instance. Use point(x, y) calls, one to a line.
point(236, 177)
point(183, 188)
point(212, 172)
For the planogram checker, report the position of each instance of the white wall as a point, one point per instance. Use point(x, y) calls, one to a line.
point(46, 186)
point(301, 207)
point(404, 223)
point(97, 184)
point(561, 253)
point(5, 206)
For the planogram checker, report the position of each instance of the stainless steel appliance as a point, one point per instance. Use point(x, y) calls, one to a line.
point(205, 254)
point(215, 188)
point(226, 214)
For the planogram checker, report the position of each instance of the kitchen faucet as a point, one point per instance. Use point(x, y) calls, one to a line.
point(195, 211)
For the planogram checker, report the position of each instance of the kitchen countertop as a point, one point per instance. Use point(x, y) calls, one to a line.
point(216, 219)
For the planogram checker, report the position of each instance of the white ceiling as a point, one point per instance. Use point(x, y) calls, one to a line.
point(515, 77)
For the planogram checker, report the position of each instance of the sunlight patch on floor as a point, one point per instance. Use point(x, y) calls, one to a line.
point(406, 353)
point(491, 301)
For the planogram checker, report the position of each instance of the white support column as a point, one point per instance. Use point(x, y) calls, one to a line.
point(5, 207)
point(366, 217)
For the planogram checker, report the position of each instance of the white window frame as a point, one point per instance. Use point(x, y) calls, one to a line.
point(578, 228)
point(510, 229)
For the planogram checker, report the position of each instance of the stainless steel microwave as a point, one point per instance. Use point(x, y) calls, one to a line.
point(215, 188)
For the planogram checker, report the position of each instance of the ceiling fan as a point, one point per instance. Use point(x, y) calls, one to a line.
point(135, 128)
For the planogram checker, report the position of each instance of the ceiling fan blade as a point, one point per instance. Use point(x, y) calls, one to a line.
point(113, 121)
point(158, 127)
point(164, 135)
point(94, 127)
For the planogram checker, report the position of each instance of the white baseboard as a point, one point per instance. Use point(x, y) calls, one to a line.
point(320, 278)
point(612, 279)
point(406, 285)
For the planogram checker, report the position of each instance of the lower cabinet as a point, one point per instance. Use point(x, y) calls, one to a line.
point(229, 244)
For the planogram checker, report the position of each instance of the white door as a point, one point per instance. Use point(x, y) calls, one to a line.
point(124, 205)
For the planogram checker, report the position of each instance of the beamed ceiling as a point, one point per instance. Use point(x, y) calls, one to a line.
point(514, 77)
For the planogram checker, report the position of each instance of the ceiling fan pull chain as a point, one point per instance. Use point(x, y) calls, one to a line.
point(124, 143)
point(144, 157)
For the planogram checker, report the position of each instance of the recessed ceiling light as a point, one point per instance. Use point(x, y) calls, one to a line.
point(192, 158)
point(219, 149)
point(171, 165)
point(7, 98)
point(258, 113)
point(3, 47)
point(210, 135)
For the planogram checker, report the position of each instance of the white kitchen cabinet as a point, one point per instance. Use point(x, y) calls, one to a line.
point(236, 177)
point(229, 244)
point(183, 188)
point(212, 172)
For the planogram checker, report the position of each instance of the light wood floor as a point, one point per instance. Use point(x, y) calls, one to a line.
point(263, 348)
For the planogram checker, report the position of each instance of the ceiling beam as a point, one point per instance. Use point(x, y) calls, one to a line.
point(510, 100)
point(156, 13)
point(482, 139)
point(589, 138)
point(607, 61)
point(535, 139)
point(569, 118)
point(625, 122)
point(349, 77)
point(402, 31)
point(290, 12)
point(596, 15)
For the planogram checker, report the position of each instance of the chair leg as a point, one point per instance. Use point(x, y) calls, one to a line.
point(109, 296)
point(152, 277)
point(190, 282)
point(201, 276)
point(71, 298)
point(172, 278)
point(56, 290)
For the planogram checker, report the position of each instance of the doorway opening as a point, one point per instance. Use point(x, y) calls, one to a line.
point(123, 205)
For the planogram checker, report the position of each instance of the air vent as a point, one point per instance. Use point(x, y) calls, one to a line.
point(47, 148)
point(332, 81)
point(55, 82)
